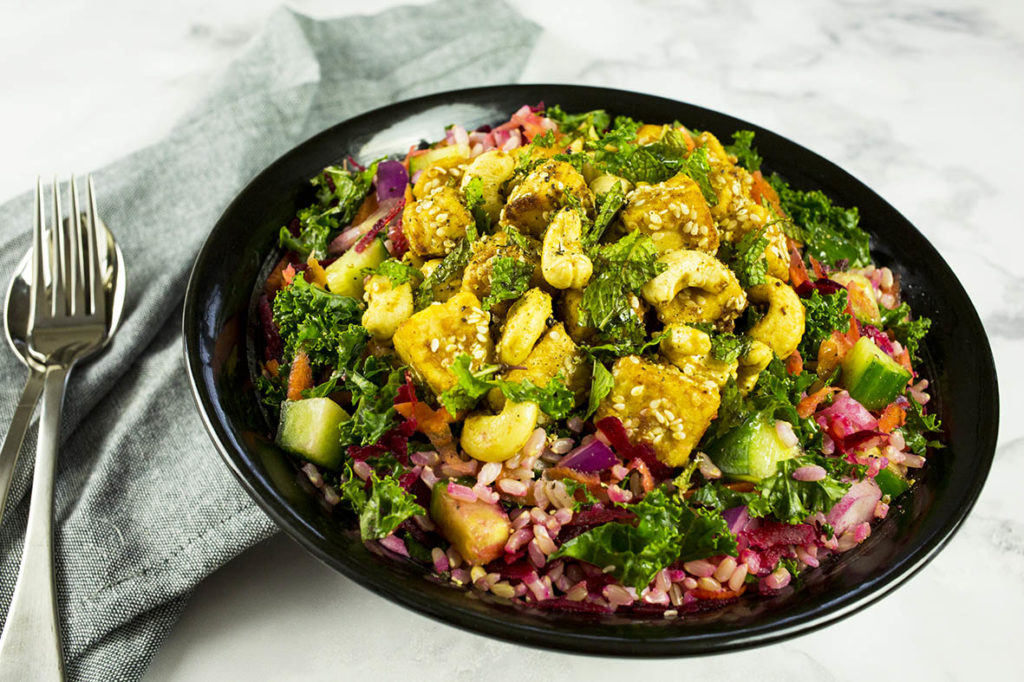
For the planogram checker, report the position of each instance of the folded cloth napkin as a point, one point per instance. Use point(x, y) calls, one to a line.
point(144, 507)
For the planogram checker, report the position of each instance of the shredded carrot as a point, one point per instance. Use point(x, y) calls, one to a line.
point(272, 366)
point(300, 377)
point(853, 333)
point(408, 195)
point(833, 350)
point(646, 479)
point(366, 209)
point(316, 271)
point(809, 405)
point(795, 363)
point(288, 274)
point(819, 272)
point(797, 269)
point(427, 420)
point(275, 280)
point(893, 416)
point(904, 360)
point(762, 189)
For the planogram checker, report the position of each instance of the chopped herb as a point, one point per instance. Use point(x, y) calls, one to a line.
point(824, 313)
point(474, 196)
point(314, 320)
point(384, 509)
point(742, 148)
point(453, 264)
point(829, 233)
point(608, 205)
point(620, 268)
point(597, 119)
point(373, 386)
point(601, 384)
point(918, 425)
point(572, 487)
point(666, 531)
point(510, 278)
point(726, 347)
point(747, 258)
point(554, 399)
point(792, 501)
point(908, 331)
point(397, 271)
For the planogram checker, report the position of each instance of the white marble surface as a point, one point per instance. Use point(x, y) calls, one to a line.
point(921, 100)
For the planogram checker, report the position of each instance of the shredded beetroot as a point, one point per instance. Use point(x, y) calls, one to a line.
point(516, 571)
point(272, 349)
point(875, 334)
point(597, 515)
point(823, 285)
point(295, 227)
point(563, 604)
point(396, 235)
point(772, 533)
point(378, 226)
point(352, 162)
point(406, 392)
point(395, 441)
point(615, 432)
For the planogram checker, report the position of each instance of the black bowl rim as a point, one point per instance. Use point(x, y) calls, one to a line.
point(799, 623)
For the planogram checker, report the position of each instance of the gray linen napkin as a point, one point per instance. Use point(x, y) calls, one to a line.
point(145, 509)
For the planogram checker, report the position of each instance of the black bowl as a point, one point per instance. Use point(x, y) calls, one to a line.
point(219, 324)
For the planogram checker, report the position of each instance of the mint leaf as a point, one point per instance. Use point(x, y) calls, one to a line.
point(510, 278)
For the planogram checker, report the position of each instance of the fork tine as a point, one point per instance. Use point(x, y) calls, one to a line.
point(38, 291)
point(58, 295)
point(76, 283)
point(96, 239)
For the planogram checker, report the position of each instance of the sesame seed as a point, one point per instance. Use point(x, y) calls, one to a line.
point(434, 343)
point(619, 407)
point(636, 390)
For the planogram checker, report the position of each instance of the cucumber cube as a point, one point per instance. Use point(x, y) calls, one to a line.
point(309, 429)
point(873, 378)
point(345, 275)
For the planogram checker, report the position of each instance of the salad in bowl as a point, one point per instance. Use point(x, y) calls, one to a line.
point(586, 363)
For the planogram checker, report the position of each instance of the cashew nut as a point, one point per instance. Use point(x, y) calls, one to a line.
point(782, 326)
point(387, 306)
point(495, 438)
point(562, 260)
point(695, 287)
point(689, 349)
point(526, 321)
point(751, 364)
point(493, 168)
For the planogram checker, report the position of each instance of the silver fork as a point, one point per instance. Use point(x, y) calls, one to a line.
point(67, 323)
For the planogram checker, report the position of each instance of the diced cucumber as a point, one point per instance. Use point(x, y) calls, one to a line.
point(891, 483)
point(453, 152)
point(345, 275)
point(872, 377)
point(751, 451)
point(309, 429)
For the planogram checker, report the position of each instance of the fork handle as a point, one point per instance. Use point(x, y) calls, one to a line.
point(16, 434)
point(30, 645)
